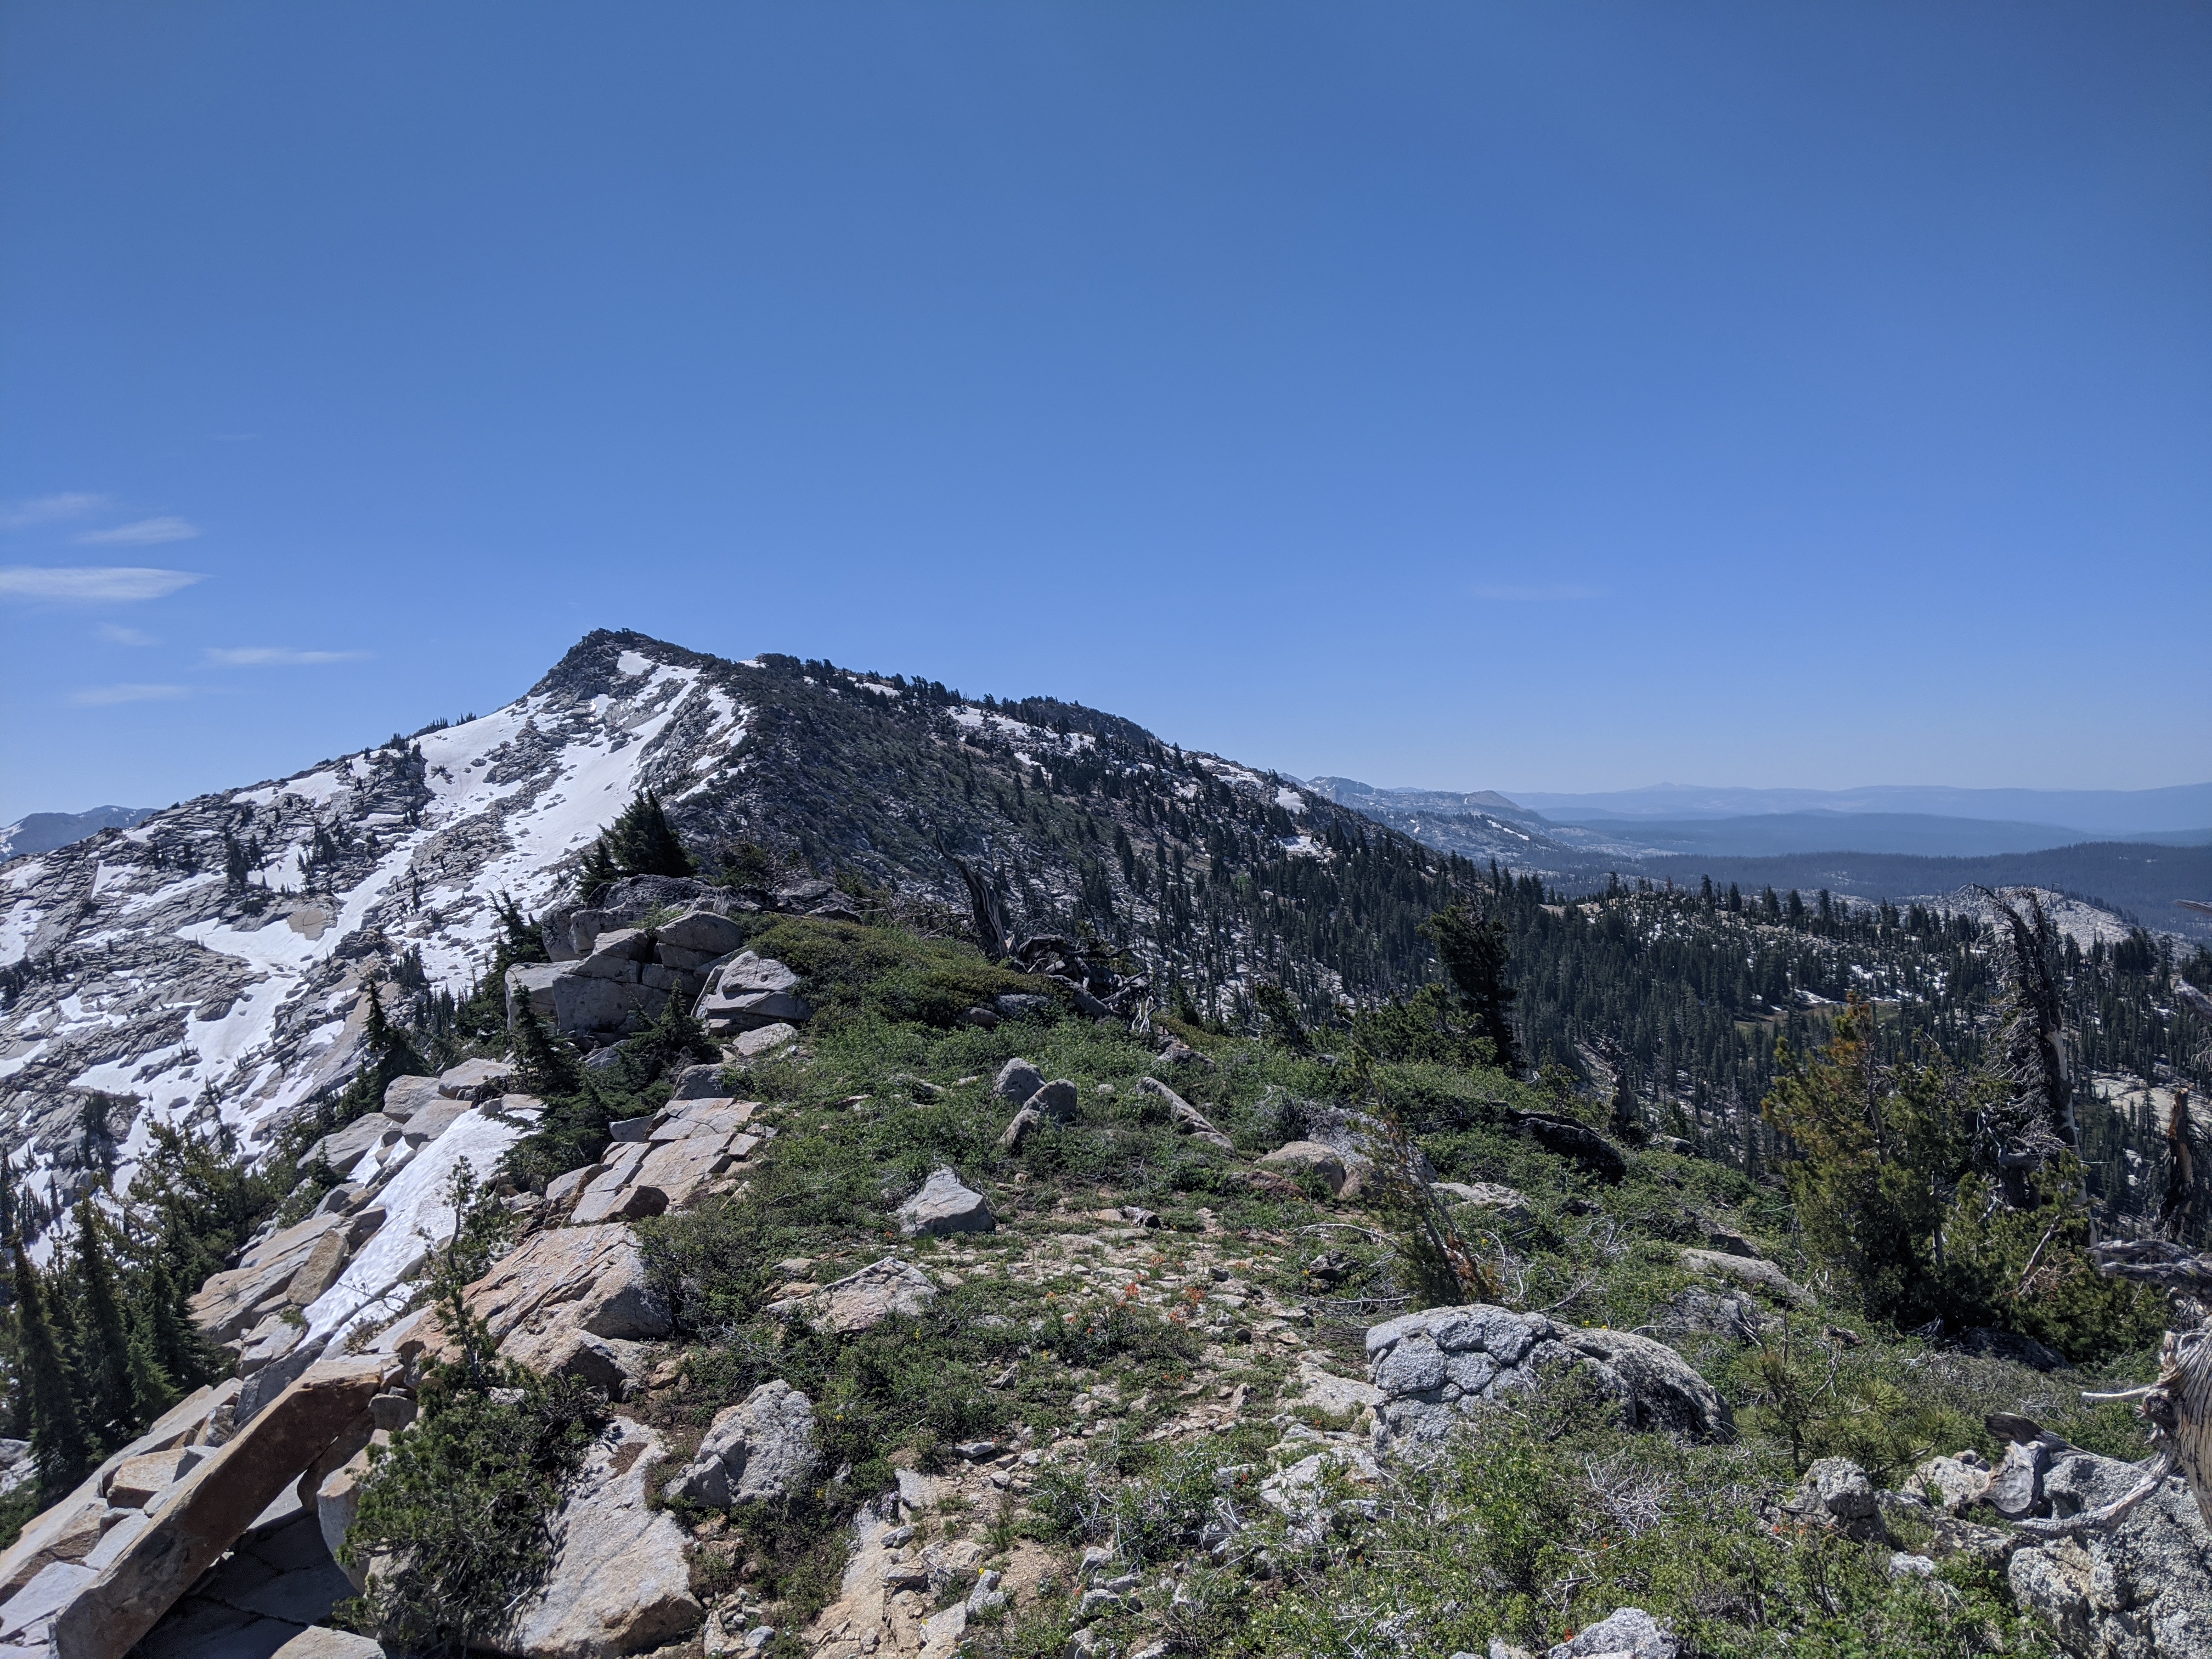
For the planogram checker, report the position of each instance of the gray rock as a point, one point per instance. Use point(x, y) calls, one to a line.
point(1309, 1158)
point(1021, 1005)
point(321, 1641)
point(433, 1120)
point(343, 1148)
point(863, 1300)
point(477, 1080)
point(1951, 1483)
point(1507, 1203)
point(1747, 1270)
point(1058, 1100)
point(1630, 1632)
point(1840, 1487)
point(1434, 1367)
point(2141, 1588)
point(763, 1039)
point(725, 1015)
point(404, 1096)
point(1017, 1081)
point(1658, 1388)
point(2015, 1488)
point(699, 1083)
point(2011, 1345)
point(1019, 1128)
point(702, 931)
point(621, 1581)
point(943, 1207)
point(762, 1448)
point(1186, 1118)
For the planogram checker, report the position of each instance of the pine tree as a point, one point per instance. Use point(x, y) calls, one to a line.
point(1473, 952)
point(176, 1343)
point(644, 843)
point(545, 1065)
point(152, 1393)
point(57, 1441)
point(104, 1362)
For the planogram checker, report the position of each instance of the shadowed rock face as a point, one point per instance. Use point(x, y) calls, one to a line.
point(210, 1507)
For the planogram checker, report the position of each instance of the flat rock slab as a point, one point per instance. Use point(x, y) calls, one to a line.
point(621, 1581)
point(863, 1300)
point(944, 1206)
point(212, 1506)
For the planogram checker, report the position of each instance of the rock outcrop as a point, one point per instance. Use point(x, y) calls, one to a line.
point(943, 1206)
point(621, 1581)
point(762, 1448)
point(620, 983)
point(2141, 1588)
point(119, 1590)
point(1434, 1367)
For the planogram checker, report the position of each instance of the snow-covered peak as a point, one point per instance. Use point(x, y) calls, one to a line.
point(134, 968)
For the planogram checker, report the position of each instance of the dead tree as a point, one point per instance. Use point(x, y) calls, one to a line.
point(990, 914)
point(2178, 1405)
point(2034, 1123)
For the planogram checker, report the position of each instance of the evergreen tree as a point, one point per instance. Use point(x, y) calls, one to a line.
point(176, 1344)
point(57, 1441)
point(152, 1393)
point(545, 1065)
point(1472, 950)
point(104, 1356)
point(388, 1053)
point(641, 842)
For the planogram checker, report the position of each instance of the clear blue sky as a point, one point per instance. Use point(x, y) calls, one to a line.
point(1481, 396)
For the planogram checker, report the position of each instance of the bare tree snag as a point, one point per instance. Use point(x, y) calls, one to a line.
point(2178, 1405)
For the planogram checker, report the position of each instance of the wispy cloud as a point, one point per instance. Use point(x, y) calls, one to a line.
point(276, 656)
point(103, 696)
point(92, 583)
point(141, 533)
point(1553, 593)
point(116, 633)
point(48, 509)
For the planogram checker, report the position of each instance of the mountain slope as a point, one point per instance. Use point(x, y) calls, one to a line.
point(208, 962)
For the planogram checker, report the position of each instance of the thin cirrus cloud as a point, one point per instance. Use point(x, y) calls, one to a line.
point(49, 509)
point(92, 584)
point(106, 696)
point(1551, 593)
point(276, 656)
point(116, 633)
point(141, 533)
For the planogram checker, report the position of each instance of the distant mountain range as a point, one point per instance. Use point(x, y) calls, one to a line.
point(2076, 814)
point(42, 832)
point(2141, 864)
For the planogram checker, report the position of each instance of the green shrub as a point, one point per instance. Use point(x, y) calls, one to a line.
point(455, 1520)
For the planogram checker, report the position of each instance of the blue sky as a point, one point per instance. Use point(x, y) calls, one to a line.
point(1562, 396)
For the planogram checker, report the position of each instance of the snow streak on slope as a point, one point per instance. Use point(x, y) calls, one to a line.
point(134, 970)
